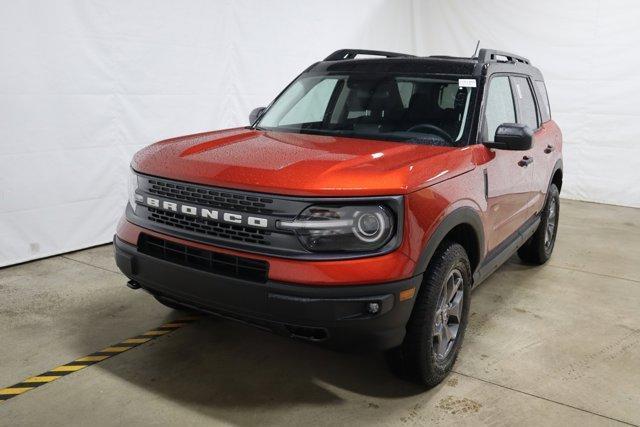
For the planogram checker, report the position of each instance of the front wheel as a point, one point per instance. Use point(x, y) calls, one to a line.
point(539, 247)
point(436, 328)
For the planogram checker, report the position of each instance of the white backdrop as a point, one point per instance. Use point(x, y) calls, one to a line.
point(589, 53)
point(84, 84)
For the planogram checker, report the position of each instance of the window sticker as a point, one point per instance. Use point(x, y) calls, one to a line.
point(467, 82)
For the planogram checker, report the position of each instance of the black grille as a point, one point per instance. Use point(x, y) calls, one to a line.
point(210, 197)
point(243, 220)
point(210, 228)
point(213, 262)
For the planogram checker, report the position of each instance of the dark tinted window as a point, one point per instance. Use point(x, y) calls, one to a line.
point(528, 114)
point(543, 100)
point(500, 108)
point(417, 109)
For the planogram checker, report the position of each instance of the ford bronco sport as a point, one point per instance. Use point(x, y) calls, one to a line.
point(360, 208)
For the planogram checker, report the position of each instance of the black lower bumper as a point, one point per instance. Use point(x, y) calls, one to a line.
point(337, 316)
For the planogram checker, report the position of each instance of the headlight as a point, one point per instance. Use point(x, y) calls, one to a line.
point(133, 186)
point(343, 228)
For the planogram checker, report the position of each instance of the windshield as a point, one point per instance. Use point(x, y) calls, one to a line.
point(399, 108)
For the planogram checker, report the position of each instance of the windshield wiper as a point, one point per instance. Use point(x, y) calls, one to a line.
point(312, 131)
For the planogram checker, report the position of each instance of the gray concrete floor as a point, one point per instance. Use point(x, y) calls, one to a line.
point(551, 345)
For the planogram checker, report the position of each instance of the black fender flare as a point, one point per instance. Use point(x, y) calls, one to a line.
point(557, 167)
point(463, 215)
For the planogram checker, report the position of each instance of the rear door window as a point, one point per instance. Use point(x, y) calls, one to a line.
point(527, 111)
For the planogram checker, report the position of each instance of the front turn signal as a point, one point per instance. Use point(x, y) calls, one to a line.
point(407, 294)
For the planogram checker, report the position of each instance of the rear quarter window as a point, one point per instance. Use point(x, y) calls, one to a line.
point(543, 100)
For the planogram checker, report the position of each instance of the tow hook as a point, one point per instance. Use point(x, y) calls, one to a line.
point(132, 284)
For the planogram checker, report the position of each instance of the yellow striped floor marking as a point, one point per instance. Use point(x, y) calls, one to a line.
point(91, 359)
point(45, 379)
point(115, 349)
point(136, 340)
point(71, 368)
point(172, 325)
point(152, 333)
point(12, 391)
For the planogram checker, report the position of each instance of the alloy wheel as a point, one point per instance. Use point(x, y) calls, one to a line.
point(552, 219)
point(448, 315)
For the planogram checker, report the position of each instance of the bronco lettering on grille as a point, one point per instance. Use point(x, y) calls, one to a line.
point(214, 214)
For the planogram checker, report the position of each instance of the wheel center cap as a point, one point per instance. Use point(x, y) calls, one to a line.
point(445, 316)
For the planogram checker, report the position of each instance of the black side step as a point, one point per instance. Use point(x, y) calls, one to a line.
point(505, 250)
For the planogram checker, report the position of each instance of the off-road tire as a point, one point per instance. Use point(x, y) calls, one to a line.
point(415, 359)
point(536, 250)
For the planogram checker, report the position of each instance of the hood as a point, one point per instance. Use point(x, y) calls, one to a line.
point(298, 164)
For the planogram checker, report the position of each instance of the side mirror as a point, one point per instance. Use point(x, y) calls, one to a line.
point(255, 114)
point(512, 136)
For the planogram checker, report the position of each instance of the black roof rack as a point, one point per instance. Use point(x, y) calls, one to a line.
point(488, 55)
point(352, 53)
point(457, 58)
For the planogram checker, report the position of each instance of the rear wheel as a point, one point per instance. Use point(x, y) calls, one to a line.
point(539, 247)
point(436, 328)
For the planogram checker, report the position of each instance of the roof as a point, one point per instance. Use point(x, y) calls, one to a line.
point(343, 60)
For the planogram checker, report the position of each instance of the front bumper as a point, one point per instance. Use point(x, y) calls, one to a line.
point(335, 316)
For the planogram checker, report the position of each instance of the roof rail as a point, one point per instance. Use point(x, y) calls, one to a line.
point(488, 55)
point(352, 53)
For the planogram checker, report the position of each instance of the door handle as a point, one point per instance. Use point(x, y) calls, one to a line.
point(526, 161)
point(549, 149)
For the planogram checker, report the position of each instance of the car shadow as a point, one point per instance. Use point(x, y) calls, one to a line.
point(218, 366)
point(222, 368)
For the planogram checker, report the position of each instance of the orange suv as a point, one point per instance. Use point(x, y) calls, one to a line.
point(360, 208)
